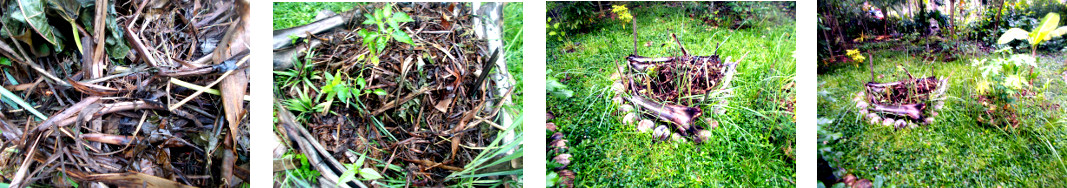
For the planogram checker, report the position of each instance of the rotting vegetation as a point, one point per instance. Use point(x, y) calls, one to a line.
point(397, 94)
point(666, 88)
point(124, 93)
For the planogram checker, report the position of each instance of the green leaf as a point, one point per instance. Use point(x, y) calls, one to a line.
point(394, 25)
point(116, 43)
point(369, 19)
point(1048, 24)
point(344, 93)
point(5, 61)
point(347, 176)
point(380, 92)
point(68, 9)
point(553, 33)
point(1059, 32)
point(18, 100)
point(361, 83)
point(403, 37)
point(33, 13)
point(1013, 34)
point(369, 174)
point(879, 181)
point(551, 178)
point(378, 15)
point(402, 17)
point(382, 42)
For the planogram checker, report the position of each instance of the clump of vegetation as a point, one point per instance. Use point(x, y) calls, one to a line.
point(1048, 29)
point(1004, 79)
point(388, 24)
point(622, 13)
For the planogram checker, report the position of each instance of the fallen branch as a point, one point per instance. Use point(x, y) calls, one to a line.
point(281, 37)
point(913, 111)
point(680, 116)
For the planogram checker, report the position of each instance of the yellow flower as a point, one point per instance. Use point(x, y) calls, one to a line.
point(855, 55)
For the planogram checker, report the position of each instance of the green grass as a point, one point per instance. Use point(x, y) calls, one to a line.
point(747, 148)
point(513, 42)
point(289, 14)
point(956, 150)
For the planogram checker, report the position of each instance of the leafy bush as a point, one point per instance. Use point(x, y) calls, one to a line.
point(377, 41)
point(1004, 78)
point(1044, 32)
point(1019, 14)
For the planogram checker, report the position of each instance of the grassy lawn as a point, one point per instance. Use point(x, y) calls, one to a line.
point(753, 145)
point(956, 150)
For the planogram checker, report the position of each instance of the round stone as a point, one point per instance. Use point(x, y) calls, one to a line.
point(661, 132)
point(874, 118)
point(645, 125)
point(629, 118)
point(888, 121)
point(900, 123)
point(626, 109)
point(703, 135)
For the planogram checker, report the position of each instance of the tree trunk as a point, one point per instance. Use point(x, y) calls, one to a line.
point(996, 22)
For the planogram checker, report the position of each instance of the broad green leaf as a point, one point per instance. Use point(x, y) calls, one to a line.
point(403, 37)
point(1048, 24)
point(33, 13)
point(879, 181)
point(361, 83)
point(394, 25)
point(402, 17)
point(380, 92)
point(553, 33)
point(116, 42)
point(1013, 34)
point(369, 19)
point(359, 162)
point(344, 93)
point(382, 42)
point(1059, 32)
point(378, 15)
point(369, 174)
point(68, 9)
point(347, 176)
point(551, 178)
point(387, 11)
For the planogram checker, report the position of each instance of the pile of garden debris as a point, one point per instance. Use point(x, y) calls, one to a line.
point(427, 109)
point(123, 93)
point(902, 104)
point(665, 88)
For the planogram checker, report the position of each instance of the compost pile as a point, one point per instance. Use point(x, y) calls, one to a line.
point(124, 93)
point(902, 104)
point(665, 88)
point(428, 108)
